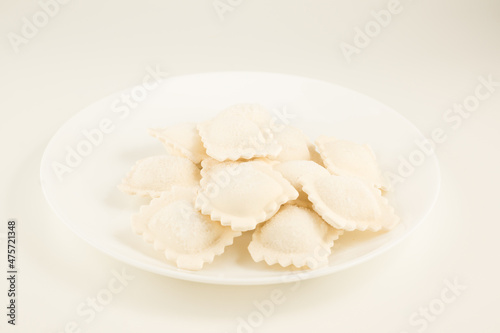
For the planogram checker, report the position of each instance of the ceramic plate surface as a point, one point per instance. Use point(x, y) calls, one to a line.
point(88, 156)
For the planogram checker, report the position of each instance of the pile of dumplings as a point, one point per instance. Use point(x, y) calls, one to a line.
point(242, 171)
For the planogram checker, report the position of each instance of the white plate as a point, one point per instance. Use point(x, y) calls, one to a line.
point(88, 202)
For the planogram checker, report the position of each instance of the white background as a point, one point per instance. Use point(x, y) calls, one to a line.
point(429, 57)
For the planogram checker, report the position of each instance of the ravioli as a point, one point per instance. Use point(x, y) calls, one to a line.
point(294, 144)
point(315, 156)
point(182, 233)
point(182, 140)
point(242, 194)
point(294, 236)
point(238, 172)
point(349, 203)
point(239, 132)
point(293, 170)
point(346, 158)
point(153, 175)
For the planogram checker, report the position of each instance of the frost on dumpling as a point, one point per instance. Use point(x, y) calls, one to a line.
point(349, 203)
point(242, 194)
point(293, 170)
point(297, 196)
point(294, 236)
point(183, 140)
point(182, 233)
point(294, 144)
point(346, 158)
point(239, 132)
point(153, 175)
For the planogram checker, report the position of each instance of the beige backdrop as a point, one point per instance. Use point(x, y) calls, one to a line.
point(419, 57)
